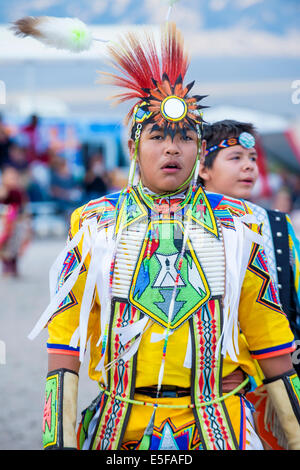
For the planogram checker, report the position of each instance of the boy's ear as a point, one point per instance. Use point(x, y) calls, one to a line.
point(131, 147)
point(203, 170)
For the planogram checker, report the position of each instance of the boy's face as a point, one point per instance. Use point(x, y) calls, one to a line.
point(233, 173)
point(165, 164)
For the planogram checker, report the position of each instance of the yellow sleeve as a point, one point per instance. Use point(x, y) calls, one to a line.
point(65, 319)
point(265, 326)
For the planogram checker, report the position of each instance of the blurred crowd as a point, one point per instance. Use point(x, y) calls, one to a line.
point(31, 175)
point(45, 175)
point(35, 181)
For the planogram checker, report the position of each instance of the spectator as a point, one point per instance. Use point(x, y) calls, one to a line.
point(15, 224)
point(5, 142)
point(17, 157)
point(296, 192)
point(282, 201)
point(31, 133)
point(96, 181)
point(64, 190)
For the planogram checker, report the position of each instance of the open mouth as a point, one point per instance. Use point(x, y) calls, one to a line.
point(247, 181)
point(171, 166)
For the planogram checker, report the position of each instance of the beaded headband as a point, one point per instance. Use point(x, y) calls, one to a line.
point(245, 139)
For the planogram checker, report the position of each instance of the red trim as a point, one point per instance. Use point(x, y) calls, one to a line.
point(63, 351)
point(281, 352)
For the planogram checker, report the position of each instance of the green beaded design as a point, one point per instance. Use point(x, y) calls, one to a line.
point(50, 418)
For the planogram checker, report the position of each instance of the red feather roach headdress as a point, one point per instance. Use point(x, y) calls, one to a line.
point(156, 83)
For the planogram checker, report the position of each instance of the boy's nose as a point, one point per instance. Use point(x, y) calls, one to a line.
point(249, 165)
point(172, 147)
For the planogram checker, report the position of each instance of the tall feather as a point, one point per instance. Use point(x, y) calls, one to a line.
point(139, 67)
point(137, 62)
point(62, 33)
point(175, 60)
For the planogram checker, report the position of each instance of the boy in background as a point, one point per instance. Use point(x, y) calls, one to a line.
point(230, 168)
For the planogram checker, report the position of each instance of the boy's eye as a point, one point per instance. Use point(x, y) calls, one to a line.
point(156, 137)
point(186, 137)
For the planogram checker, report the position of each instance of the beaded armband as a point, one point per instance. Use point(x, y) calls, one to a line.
point(284, 393)
point(60, 410)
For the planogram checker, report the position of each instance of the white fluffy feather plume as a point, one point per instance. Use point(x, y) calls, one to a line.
point(62, 33)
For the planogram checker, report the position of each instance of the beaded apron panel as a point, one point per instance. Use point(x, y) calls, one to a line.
point(121, 382)
point(213, 423)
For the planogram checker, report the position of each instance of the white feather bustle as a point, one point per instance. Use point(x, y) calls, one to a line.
point(62, 33)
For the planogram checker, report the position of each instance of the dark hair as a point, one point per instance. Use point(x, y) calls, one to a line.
point(218, 131)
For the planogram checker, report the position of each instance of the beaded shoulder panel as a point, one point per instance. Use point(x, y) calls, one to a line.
point(104, 209)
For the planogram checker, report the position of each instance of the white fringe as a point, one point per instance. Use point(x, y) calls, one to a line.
point(57, 297)
point(238, 246)
point(253, 442)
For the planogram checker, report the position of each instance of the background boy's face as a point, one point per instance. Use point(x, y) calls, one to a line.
point(233, 173)
point(164, 163)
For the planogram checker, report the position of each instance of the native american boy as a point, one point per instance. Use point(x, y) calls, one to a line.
point(170, 287)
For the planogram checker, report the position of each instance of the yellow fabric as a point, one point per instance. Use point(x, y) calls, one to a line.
point(180, 417)
point(261, 327)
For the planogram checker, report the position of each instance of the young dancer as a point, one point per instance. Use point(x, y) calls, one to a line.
point(161, 279)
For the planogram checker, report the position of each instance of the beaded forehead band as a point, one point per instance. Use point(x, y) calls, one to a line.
point(245, 139)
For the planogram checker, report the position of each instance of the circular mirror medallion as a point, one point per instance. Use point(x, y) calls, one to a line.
point(173, 108)
point(246, 140)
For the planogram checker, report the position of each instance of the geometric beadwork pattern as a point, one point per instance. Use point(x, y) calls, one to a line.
point(120, 379)
point(228, 207)
point(70, 263)
point(50, 423)
point(202, 213)
point(258, 265)
point(103, 209)
point(263, 219)
point(216, 431)
point(153, 283)
point(169, 437)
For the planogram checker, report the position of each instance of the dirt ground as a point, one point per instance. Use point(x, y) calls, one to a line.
point(23, 363)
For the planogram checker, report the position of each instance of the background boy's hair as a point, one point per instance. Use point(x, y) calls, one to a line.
point(218, 131)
